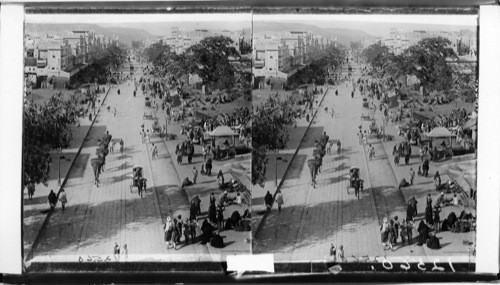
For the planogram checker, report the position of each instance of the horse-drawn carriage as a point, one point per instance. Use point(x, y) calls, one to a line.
point(156, 127)
point(354, 181)
point(101, 152)
point(147, 102)
point(374, 130)
point(138, 180)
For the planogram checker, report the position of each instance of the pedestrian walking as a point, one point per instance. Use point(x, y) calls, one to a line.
point(268, 201)
point(193, 225)
point(329, 148)
point(167, 228)
point(278, 199)
point(390, 234)
point(341, 253)
point(409, 231)
point(154, 151)
point(396, 159)
point(175, 235)
point(428, 215)
point(180, 226)
point(52, 200)
point(121, 145)
point(220, 218)
point(63, 199)
point(371, 152)
point(125, 252)
point(187, 231)
point(437, 219)
point(425, 168)
point(220, 178)
point(333, 252)
point(437, 180)
point(195, 174)
point(397, 226)
point(116, 251)
point(403, 232)
point(114, 112)
point(112, 147)
point(412, 175)
point(179, 157)
point(31, 190)
point(407, 158)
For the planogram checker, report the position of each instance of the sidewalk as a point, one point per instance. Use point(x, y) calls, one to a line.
point(312, 219)
point(453, 244)
point(35, 210)
point(235, 242)
point(96, 218)
point(277, 169)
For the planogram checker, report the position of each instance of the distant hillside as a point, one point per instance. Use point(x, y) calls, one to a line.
point(344, 36)
point(125, 35)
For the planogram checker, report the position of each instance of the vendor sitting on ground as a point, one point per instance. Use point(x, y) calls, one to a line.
point(186, 182)
point(442, 201)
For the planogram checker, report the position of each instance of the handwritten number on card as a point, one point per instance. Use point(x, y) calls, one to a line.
point(438, 268)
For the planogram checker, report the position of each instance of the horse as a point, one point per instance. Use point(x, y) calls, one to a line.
point(96, 166)
point(141, 185)
point(313, 165)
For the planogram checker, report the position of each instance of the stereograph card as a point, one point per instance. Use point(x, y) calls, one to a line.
point(261, 142)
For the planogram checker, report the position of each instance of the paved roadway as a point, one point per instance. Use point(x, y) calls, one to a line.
point(97, 217)
point(312, 219)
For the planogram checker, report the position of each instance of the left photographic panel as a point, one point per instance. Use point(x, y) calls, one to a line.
point(136, 139)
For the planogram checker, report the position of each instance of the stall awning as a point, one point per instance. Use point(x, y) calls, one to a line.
point(470, 124)
point(439, 132)
point(223, 131)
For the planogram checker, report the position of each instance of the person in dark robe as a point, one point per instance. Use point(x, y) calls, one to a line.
point(207, 232)
point(437, 219)
point(423, 233)
point(195, 209)
point(448, 222)
point(212, 213)
point(268, 200)
point(428, 215)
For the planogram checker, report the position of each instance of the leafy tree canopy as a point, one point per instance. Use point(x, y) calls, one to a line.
point(210, 60)
point(46, 127)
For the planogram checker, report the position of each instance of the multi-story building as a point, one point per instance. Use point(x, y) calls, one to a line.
point(59, 56)
point(278, 57)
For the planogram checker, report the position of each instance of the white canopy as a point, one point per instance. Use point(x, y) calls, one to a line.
point(223, 131)
point(439, 132)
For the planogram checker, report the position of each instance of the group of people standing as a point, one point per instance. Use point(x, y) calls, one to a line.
point(176, 228)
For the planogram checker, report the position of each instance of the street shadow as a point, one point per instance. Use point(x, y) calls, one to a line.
point(337, 179)
point(295, 168)
point(65, 231)
point(258, 201)
point(388, 200)
point(79, 165)
point(280, 231)
point(445, 244)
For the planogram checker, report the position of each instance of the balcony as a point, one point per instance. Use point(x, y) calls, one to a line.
point(41, 63)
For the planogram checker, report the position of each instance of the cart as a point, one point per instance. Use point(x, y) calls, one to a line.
point(138, 181)
point(147, 102)
point(354, 181)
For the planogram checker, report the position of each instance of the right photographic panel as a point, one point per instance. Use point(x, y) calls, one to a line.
point(364, 136)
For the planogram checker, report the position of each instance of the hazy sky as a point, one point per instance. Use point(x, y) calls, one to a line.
point(156, 24)
point(159, 24)
point(379, 25)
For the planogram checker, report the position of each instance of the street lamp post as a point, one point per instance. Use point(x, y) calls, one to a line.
point(60, 157)
point(276, 158)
